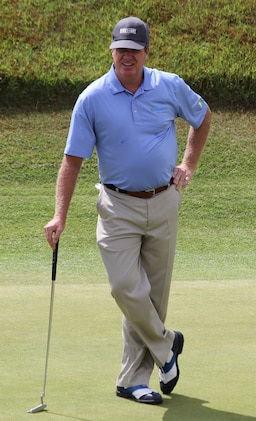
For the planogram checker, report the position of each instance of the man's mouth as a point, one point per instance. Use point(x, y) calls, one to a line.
point(128, 64)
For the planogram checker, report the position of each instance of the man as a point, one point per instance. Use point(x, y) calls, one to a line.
point(128, 115)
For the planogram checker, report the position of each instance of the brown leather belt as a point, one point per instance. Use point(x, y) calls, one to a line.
point(145, 194)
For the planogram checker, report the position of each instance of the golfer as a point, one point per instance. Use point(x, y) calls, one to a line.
point(128, 116)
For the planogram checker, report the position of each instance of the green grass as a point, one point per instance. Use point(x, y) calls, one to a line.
point(50, 50)
point(213, 290)
point(217, 231)
point(48, 54)
point(217, 380)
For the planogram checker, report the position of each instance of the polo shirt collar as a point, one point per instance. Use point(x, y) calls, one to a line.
point(116, 87)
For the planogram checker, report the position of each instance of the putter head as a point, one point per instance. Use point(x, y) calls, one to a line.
point(37, 408)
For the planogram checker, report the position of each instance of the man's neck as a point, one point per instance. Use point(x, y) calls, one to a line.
point(131, 86)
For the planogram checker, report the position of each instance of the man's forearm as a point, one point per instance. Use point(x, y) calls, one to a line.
point(66, 183)
point(196, 142)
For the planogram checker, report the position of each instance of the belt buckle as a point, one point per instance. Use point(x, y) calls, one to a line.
point(153, 191)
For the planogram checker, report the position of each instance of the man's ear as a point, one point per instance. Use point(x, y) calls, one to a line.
point(147, 51)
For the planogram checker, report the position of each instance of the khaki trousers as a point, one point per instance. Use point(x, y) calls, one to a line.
point(137, 239)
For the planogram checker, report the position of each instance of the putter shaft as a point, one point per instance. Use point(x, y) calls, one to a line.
point(43, 405)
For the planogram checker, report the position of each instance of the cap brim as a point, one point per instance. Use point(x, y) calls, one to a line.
point(125, 43)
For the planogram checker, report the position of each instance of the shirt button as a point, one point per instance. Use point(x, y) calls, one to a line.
point(135, 111)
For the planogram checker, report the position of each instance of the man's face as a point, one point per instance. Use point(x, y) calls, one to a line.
point(129, 64)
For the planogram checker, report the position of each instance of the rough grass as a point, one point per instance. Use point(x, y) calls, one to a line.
point(51, 50)
point(216, 233)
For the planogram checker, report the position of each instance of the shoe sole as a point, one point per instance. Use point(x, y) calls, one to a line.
point(167, 388)
point(124, 395)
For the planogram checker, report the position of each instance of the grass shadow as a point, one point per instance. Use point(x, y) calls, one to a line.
point(69, 417)
point(185, 408)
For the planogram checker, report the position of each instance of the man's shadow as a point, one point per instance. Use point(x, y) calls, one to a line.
point(184, 408)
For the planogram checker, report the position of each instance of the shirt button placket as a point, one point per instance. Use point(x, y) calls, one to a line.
point(134, 109)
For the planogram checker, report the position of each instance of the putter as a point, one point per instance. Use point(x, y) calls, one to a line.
point(43, 405)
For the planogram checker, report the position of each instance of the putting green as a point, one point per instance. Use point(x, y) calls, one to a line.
point(217, 382)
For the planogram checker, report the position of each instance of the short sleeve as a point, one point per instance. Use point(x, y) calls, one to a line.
point(81, 137)
point(191, 106)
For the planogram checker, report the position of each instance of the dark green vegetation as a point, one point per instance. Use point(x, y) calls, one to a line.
point(50, 50)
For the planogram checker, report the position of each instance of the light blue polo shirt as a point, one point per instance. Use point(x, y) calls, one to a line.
point(134, 134)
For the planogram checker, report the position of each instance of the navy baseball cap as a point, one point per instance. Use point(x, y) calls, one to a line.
point(130, 33)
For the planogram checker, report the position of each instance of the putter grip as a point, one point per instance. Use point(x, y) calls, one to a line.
point(54, 261)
